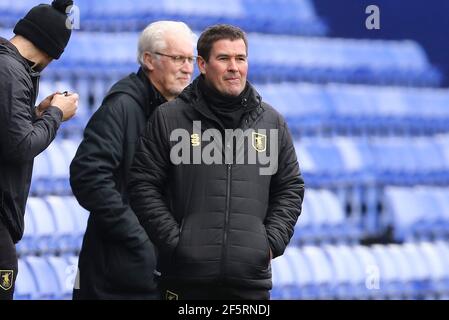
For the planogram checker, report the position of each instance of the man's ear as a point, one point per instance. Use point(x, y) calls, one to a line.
point(201, 64)
point(148, 60)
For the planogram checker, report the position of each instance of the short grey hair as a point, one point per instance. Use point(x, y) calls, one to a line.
point(152, 38)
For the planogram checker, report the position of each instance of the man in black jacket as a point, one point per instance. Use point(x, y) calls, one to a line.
point(117, 259)
point(25, 131)
point(217, 209)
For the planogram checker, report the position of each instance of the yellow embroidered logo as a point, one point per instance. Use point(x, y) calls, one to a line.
point(170, 295)
point(6, 278)
point(195, 139)
point(259, 141)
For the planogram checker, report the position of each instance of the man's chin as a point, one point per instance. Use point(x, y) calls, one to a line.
point(182, 84)
point(233, 92)
point(177, 91)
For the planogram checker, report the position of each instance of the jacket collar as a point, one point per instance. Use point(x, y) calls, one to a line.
point(193, 96)
point(154, 97)
point(140, 89)
point(14, 52)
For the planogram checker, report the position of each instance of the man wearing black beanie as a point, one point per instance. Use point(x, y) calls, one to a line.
point(26, 130)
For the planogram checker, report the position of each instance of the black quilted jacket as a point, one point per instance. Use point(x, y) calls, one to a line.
point(215, 223)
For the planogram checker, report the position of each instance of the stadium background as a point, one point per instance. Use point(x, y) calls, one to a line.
point(368, 109)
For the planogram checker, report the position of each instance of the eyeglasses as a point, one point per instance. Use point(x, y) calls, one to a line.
point(178, 60)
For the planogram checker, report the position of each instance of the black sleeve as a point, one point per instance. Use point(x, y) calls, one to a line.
point(92, 173)
point(147, 179)
point(286, 195)
point(22, 136)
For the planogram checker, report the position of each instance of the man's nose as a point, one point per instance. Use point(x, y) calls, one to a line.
point(232, 65)
point(187, 67)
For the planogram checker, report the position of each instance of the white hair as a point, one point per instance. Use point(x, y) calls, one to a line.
point(152, 38)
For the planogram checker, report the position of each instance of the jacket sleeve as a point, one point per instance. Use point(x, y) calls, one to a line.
point(146, 185)
point(286, 195)
point(23, 136)
point(93, 175)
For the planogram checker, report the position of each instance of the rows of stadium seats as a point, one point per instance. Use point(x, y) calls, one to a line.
point(314, 59)
point(342, 109)
point(414, 270)
point(417, 213)
point(56, 224)
point(298, 16)
point(355, 169)
point(42, 278)
point(51, 168)
point(393, 271)
point(340, 271)
point(100, 55)
point(53, 224)
point(312, 109)
point(324, 161)
point(324, 220)
point(392, 160)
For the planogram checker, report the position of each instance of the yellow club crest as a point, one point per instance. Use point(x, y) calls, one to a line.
point(6, 279)
point(259, 142)
point(170, 295)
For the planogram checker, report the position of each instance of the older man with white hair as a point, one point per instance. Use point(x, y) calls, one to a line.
point(117, 259)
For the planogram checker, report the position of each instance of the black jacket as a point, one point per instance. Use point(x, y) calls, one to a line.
point(22, 135)
point(219, 221)
point(117, 259)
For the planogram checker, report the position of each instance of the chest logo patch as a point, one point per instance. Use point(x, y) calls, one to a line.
point(259, 142)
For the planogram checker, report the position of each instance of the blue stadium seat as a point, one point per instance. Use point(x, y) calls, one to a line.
point(358, 278)
point(304, 231)
point(60, 168)
point(25, 287)
point(303, 281)
point(81, 216)
point(405, 270)
point(65, 274)
point(26, 245)
point(66, 229)
point(317, 216)
point(327, 157)
point(417, 212)
point(422, 286)
point(373, 287)
point(439, 274)
point(305, 160)
point(69, 148)
point(440, 197)
point(283, 279)
point(390, 280)
point(442, 249)
point(41, 173)
point(341, 272)
point(44, 276)
point(44, 225)
point(322, 272)
point(432, 223)
point(341, 227)
point(403, 212)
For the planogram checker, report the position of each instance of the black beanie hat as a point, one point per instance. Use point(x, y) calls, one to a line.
point(45, 26)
